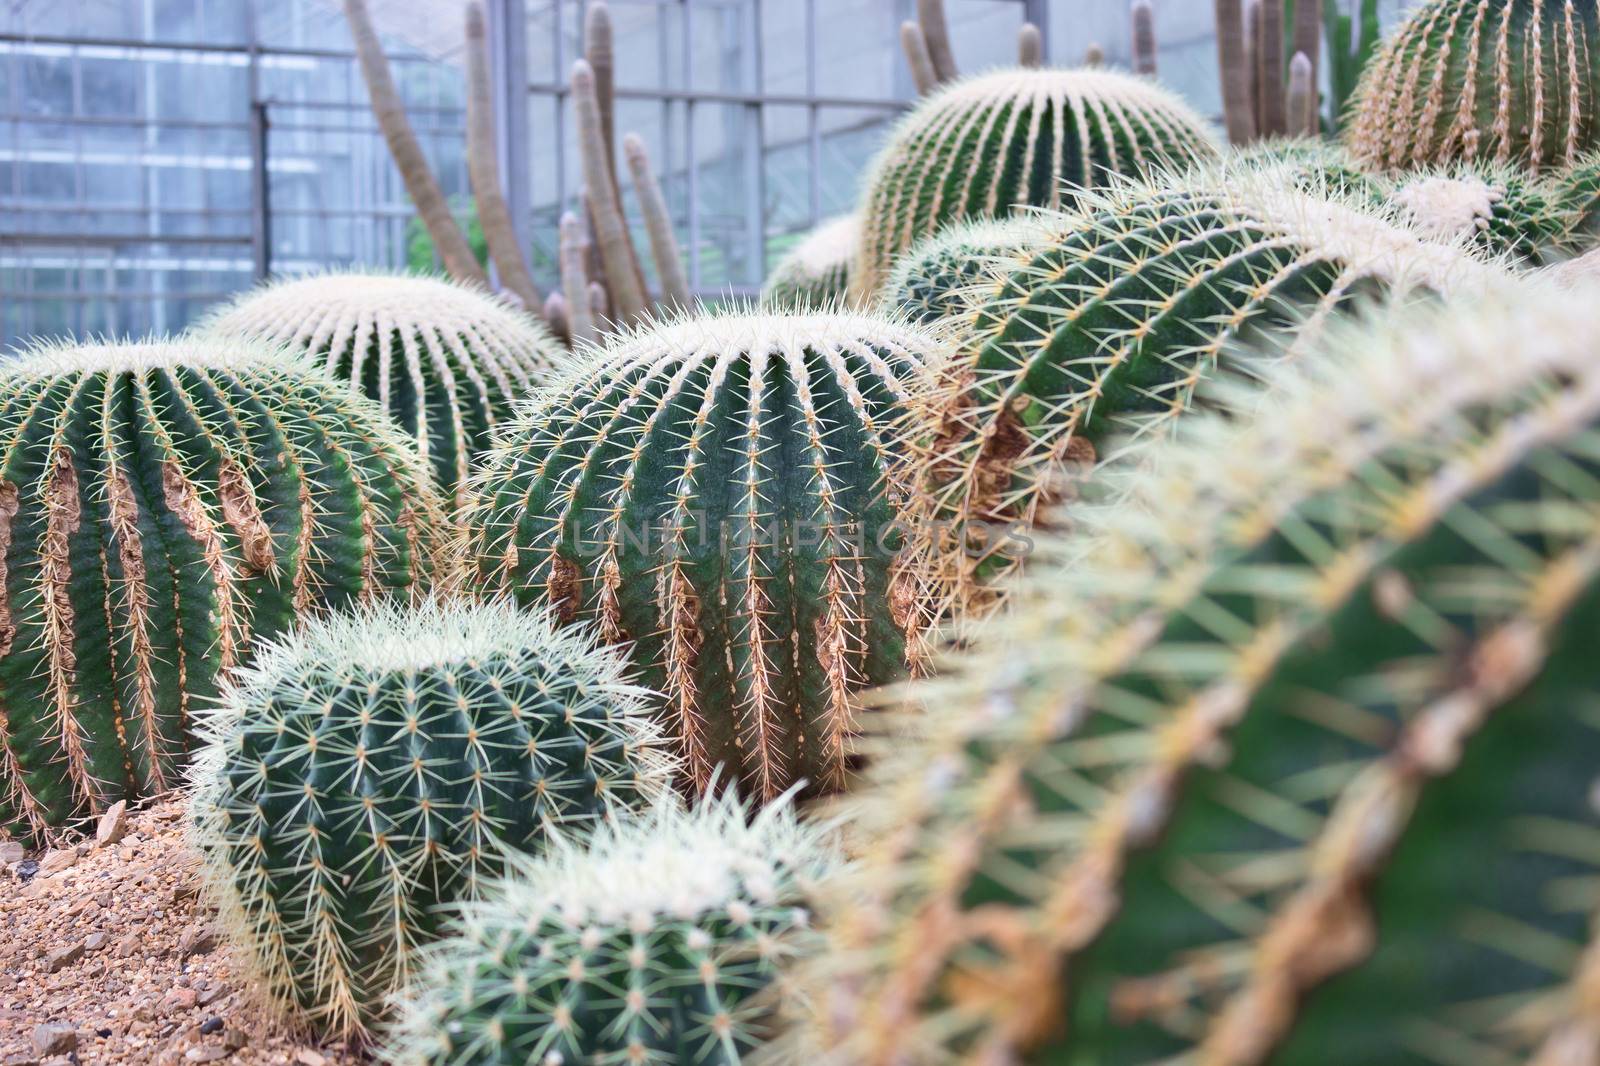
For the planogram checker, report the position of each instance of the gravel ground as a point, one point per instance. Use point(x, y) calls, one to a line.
point(108, 956)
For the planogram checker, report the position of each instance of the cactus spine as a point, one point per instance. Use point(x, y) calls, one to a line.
point(448, 362)
point(1106, 329)
point(383, 763)
point(1317, 704)
point(657, 942)
point(1012, 138)
point(163, 507)
point(1505, 81)
point(716, 492)
point(815, 273)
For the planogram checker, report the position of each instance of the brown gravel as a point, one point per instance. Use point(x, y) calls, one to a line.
point(108, 956)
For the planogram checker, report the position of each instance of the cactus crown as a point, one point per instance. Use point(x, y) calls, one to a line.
point(982, 146)
point(1317, 702)
point(379, 764)
point(715, 490)
point(654, 942)
point(163, 505)
point(1104, 331)
point(1499, 211)
point(816, 272)
point(1504, 81)
point(446, 360)
point(938, 276)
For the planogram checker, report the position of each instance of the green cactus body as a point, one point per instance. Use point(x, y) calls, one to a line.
point(660, 942)
point(937, 277)
point(986, 145)
point(815, 275)
point(1106, 331)
point(447, 361)
point(716, 492)
point(380, 764)
point(1294, 751)
point(163, 506)
point(1504, 81)
point(1576, 191)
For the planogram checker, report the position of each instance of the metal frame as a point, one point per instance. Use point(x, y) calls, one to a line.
point(266, 121)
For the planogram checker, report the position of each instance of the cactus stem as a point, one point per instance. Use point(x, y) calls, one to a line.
point(1233, 60)
point(575, 281)
point(611, 233)
point(658, 223)
point(1144, 38)
point(1030, 46)
point(483, 168)
point(915, 46)
point(936, 30)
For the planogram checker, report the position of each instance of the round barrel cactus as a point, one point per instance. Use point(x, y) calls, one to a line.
point(164, 506)
point(1290, 757)
point(1314, 166)
point(985, 145)
point(449, 362)
point(383, 763)
point(936, 279)
point(815, 275)
point(1504, 81)
point(656, 941)
point(1095, 342)
point(719, 493)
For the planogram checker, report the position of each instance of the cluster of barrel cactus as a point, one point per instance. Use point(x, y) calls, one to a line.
point(1177, 571)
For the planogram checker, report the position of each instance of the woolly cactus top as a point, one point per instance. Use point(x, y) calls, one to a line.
point(329, 312)
point(984, 145)
point(936, 276)
point(447, 361)
point(62, 358)
point(828, 246)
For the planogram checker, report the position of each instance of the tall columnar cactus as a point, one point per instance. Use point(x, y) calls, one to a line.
point(163, 507)
point(1107, 328)
point(661, 941)
point(448, 362)
point(815, 274)
point(1507, 81)
point(936, 279)
point(1012, 138)
point(1290, 759)
point(717, 492)
point(380, 764)
point(1353, 40)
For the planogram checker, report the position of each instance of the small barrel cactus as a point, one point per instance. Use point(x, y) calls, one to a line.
point(717, 492)
point(815, 275)
point(1293, 751)
point(937, 277)
point(660, 942)
point(985, 145)
point(1504, 81)
point(382, 763)
point(1105, 331)
point(1576, 192)
point(449, 362)
point(163, 506)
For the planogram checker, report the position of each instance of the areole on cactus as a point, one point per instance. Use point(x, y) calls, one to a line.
point(985, 145)
point(381, 764)
point(448, 362)
point(1095, 342)
point(721, 492)
point(164, 506)
point(660, 939)
point(1313, 705)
